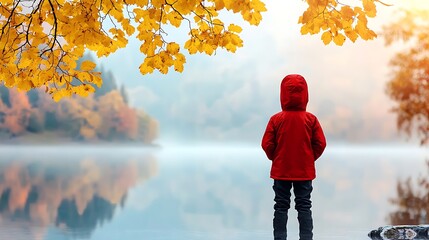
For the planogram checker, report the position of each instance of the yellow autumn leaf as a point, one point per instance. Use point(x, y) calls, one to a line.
point(3, 75)
point(362, 30)
point(129, 29)
point(208, 49)
point(178, 65)
point(231, 47)
point(305, 29)
point(180, 58)
point(25, 62)
point(306, 16)
point(96, 79)
point(25, 85)
point(347, 12)
point(369, 8)
point(204, 26)
point(146, 67)
point(175, 19)
point(173, 48)
point(139, 13)
point(13, 69)
point(190, 45)
point(59, 94)
point(83, 90)
point(235, 28)
point(258, 6)
point(352, 35)
point(229, 3)
point(327, 37)
point(219, 4)
point(83, 76)
point(87, 65)
point(236, 40)
point(339, 39)
point(218, 26)
point(10, 81)
point(371, 34)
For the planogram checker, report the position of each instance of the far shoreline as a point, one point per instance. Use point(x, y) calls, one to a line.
point(54, 139)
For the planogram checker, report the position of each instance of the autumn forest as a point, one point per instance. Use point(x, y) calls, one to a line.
point(34, 116)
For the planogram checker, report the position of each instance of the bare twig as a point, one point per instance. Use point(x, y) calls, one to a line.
point(9, 19)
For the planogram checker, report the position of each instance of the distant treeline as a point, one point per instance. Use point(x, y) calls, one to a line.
point(105, 115)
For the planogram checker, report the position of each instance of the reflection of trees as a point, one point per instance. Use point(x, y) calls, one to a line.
point(76, 195)
point(412, 201)
point(97, 211)
point(409, 81)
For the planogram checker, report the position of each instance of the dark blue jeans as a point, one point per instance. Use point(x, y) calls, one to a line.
point(302, 191)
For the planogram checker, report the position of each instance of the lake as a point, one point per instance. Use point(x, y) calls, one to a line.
point(192, 193)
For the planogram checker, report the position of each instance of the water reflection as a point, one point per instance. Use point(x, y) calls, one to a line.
point(411, 200)
point(411, 210)
point(74, 194)
point(198, 193)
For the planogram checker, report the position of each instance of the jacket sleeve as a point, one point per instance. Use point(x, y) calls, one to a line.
point(318, 141)
point(269, 140)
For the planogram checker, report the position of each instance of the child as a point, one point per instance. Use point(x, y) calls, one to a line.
point(293, 141)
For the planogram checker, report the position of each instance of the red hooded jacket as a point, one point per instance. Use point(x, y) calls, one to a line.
point(294, 139)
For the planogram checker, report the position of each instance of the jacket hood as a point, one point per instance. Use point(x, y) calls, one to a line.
point(294, 93)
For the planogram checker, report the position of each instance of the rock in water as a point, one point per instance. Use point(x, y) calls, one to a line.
point(408, 232)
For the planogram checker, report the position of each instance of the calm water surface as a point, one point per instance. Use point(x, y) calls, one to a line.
point(192, 193)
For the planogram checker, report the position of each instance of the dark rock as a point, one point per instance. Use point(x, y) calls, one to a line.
point(406, 232)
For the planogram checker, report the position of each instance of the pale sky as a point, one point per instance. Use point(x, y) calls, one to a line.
point(230, 97)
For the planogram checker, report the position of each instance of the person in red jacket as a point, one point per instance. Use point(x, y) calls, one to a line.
point(293, 141)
